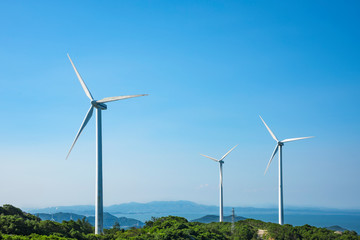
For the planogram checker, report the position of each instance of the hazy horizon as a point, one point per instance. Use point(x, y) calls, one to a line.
point(210, 205)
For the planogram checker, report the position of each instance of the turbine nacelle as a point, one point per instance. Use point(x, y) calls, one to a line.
point(97, 105)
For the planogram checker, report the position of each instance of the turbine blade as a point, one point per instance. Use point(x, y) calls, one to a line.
point(272, 157)
point(111, 99)
point(272, 134)
point(228, 152)
point(87, 92)
point(86, 120)
point(294, 139)
point(210, 158)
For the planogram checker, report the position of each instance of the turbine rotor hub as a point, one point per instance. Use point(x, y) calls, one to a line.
point(101, 106)
point(280, 144)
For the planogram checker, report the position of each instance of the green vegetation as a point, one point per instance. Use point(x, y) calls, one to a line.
point(17, 225)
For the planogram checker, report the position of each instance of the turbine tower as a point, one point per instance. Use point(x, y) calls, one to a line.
point(99, 105)
point(278, 147)
point(220, 161)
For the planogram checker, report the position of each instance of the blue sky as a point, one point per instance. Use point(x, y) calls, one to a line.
point(210, 67)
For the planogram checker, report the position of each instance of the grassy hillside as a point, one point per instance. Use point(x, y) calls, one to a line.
point(15, 224)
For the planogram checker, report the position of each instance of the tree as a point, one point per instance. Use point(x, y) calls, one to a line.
point(116, 226)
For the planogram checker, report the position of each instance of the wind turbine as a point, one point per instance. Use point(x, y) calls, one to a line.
point(220, 161)
point(278, 147)
point(99, 105)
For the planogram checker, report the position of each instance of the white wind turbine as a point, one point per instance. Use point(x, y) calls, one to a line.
point(99, 105)
point(220, 161)
point(278, 147)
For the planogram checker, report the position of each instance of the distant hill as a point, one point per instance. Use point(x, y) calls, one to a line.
point(215, 218)
point(336, 228)
point(124, 222)
point(109, 219)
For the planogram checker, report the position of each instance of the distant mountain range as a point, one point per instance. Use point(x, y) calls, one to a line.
point(87, 210)
point(173, 207)
point(166, 207)
point(133, 207)
point(109, 219)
